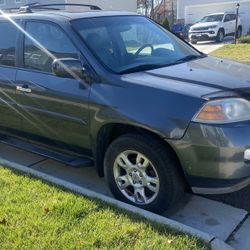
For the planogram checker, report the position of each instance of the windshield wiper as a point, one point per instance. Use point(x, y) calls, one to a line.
point(140, 68)
point(191, 57)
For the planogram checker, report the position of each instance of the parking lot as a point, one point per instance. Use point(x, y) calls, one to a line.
point(218, 215)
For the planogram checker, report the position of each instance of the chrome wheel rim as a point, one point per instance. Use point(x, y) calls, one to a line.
point(136, 177)
point(221, 36)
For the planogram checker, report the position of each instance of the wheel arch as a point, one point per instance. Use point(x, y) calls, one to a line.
point(221, 29)
point(108, 133)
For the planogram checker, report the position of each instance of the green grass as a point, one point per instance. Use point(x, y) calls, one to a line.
point(238, 52)
point(244, 39)
point(37, 215)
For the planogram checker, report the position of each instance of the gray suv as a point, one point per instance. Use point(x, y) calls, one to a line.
point(116, 90)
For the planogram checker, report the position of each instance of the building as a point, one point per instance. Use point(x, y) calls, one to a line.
point(191, 11)
point(128, 5)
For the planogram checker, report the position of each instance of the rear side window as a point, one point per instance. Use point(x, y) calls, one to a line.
point(45, 43)
point(8, 43)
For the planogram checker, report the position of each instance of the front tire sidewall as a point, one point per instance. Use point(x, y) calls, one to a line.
point(220, 36)
point(164, 197)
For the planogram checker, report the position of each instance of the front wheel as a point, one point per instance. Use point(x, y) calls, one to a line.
point(220, 36)
point(140, 171)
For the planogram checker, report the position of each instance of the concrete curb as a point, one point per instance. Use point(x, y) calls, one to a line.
point(215, 243)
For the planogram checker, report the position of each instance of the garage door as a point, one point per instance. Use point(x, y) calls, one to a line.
point(194, 13)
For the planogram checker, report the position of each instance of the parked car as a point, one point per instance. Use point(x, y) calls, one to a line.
point(215, 27)
point(181, 30)
point(156, 117)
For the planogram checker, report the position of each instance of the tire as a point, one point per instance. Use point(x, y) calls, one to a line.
point(220, 36)
point(158, 174)
point(239, 32)
point(193, 42)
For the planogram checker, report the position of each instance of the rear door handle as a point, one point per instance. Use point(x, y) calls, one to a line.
point(23, 89)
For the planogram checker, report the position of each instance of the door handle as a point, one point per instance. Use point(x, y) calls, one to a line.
point(23, 89)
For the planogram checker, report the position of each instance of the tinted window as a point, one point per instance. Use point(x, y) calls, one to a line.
point(45, 43)
point(8, 43)
point(228, 18)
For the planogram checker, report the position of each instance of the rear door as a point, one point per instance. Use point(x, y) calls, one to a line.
point(57, 108)
point(10, 116)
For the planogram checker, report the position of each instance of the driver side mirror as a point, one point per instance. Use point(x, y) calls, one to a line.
point(68, 68)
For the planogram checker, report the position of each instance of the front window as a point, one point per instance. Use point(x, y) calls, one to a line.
point(126, 44)
point(212, 18)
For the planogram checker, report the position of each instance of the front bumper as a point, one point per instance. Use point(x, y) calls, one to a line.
point(214, 157)
point(202, 35)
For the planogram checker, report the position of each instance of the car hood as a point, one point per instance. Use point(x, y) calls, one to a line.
point(204, 25)
point(197, 77)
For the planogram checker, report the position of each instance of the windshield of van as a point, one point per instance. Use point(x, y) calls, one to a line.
point(126, 44)
point(212, 18)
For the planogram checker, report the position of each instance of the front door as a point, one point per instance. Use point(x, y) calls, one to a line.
point(56, 108)
point(228, 25)
point(10, 117)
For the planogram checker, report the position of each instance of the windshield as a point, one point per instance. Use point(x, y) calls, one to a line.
point(127, 44)
point(212, 18)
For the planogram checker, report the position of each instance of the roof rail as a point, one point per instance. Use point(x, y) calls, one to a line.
point(9, 10)
point(17, 9)
point(29, 7)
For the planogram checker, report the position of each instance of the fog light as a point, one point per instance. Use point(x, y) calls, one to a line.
point(247, 155)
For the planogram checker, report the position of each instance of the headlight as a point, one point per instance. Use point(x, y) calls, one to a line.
point(212, 27)
point(224, 111)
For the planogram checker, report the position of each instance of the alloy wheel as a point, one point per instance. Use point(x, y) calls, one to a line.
point(136, 177)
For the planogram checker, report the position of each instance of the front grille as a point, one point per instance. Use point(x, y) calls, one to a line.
point(200, 28)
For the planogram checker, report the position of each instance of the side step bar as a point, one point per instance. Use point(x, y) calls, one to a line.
point(72, 161)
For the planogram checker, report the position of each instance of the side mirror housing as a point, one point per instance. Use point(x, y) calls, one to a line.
point(68, 68)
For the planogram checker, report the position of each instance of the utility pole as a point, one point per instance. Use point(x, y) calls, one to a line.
point(236, 25)
point(164, 6)
point(172, 14)
point(152, 9)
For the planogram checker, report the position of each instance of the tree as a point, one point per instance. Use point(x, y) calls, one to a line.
point(165, 23)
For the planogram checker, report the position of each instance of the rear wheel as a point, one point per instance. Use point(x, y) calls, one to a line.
point(194, 41)
point(239, 32)
point(140, 171)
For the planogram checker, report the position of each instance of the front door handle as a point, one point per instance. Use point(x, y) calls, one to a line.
point(24, 89)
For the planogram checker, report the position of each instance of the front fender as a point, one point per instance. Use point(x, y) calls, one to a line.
point(163, 112)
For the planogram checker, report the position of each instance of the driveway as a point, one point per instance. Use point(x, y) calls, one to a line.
point(208, 47)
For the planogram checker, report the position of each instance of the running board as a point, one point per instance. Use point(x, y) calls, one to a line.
point(72, 161)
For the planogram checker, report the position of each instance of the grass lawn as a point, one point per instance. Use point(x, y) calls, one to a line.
point(239, 52)
point(37, 215)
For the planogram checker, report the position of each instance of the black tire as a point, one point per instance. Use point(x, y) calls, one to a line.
point(220, 36)
point(171, 184)
point(194, 42)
